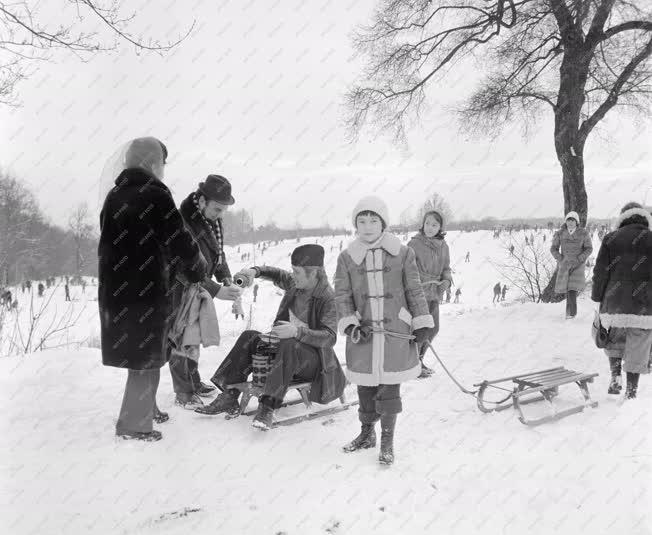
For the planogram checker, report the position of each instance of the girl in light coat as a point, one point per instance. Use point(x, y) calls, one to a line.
point(381, 308)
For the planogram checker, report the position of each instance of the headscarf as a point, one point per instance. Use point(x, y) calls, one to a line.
point(146, 153)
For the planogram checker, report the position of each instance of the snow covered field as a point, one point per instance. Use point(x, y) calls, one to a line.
point(457, 471)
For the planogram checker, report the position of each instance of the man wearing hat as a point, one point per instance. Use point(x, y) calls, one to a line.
point(306, 324)
point(202, 211)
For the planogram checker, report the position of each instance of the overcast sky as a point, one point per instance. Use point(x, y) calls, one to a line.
point(255, 94)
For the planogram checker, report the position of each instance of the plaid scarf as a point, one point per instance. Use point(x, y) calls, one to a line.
point(215, 228)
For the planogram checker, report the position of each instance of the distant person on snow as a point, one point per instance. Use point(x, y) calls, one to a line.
point(504, 292)
point(67, 290)
point(142, 234)
point(433, 262)
point(41, 289)
point(497, 292)
point(467, 258)
point(458, 293)
point(622, 286)
point(380, 306)
point(571, 246)
point(255, 292)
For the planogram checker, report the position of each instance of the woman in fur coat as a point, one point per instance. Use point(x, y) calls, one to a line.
point(622, 284)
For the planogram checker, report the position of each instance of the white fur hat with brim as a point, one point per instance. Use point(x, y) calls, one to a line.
point(372, 203)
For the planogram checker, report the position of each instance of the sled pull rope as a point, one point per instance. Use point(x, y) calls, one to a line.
point(471, 393)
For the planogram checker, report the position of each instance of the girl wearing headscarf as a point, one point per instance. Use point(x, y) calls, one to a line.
point(571, 246)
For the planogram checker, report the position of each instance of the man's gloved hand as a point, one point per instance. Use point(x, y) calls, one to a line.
point(229, 293)
point(422, 335)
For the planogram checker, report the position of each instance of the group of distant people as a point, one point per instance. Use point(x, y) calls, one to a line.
point(499, 292)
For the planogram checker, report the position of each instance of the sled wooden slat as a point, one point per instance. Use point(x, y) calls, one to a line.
point(545, 385)
point(545, 376)
point(539, 381)
point(515, 376)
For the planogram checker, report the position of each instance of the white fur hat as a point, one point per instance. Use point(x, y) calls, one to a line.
point(573, 215)
point(372, 204)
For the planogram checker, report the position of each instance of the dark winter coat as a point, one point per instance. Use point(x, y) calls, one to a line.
point(142, 235)
point(379, 288)
point(433, 263)
point(571, 252)
point(320, 334)
point(209, 246)
point(622, 276)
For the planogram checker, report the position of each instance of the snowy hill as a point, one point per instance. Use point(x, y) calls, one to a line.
point(458, 471)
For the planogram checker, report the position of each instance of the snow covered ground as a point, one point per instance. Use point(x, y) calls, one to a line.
point(457, 471)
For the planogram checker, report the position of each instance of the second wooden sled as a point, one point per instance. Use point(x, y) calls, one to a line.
point(537, 386)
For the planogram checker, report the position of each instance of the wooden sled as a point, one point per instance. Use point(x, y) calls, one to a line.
point(250, 390)
point(537, 386)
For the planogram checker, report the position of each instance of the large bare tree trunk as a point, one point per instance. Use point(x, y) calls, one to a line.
point(568, 144)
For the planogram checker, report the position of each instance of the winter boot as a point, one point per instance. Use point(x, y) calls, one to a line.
point(227, 401)
point(189, 401)
point(632, 385)
point(425, 371)
point(152, 436)
point(264, 418)
point(160, 416)
point(387, 425)
point(205, 390)
point(616, 384)
point(365, 440)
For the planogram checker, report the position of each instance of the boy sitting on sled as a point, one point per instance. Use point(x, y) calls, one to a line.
point(306, 324)
point(381, 304)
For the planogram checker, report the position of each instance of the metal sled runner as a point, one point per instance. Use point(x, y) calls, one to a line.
point(249, 390)
point(543, 385)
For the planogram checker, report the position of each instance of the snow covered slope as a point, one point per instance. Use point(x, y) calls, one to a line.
point(458, 471)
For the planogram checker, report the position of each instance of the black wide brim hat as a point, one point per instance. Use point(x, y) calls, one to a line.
point(309, 255)
point(216, 188)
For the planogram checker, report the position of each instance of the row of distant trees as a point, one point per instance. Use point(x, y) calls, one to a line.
point(32, 248)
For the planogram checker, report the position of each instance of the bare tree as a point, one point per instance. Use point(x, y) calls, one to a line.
point(438, 203)
point(577, 58)
point(82, 230)
point(27, 36)
point(18, 213)
point(528, 267)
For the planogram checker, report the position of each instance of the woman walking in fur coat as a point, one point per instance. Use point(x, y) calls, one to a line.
point(571, 246)
point(622, 284)
point(380, 305)
point(433, 262)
